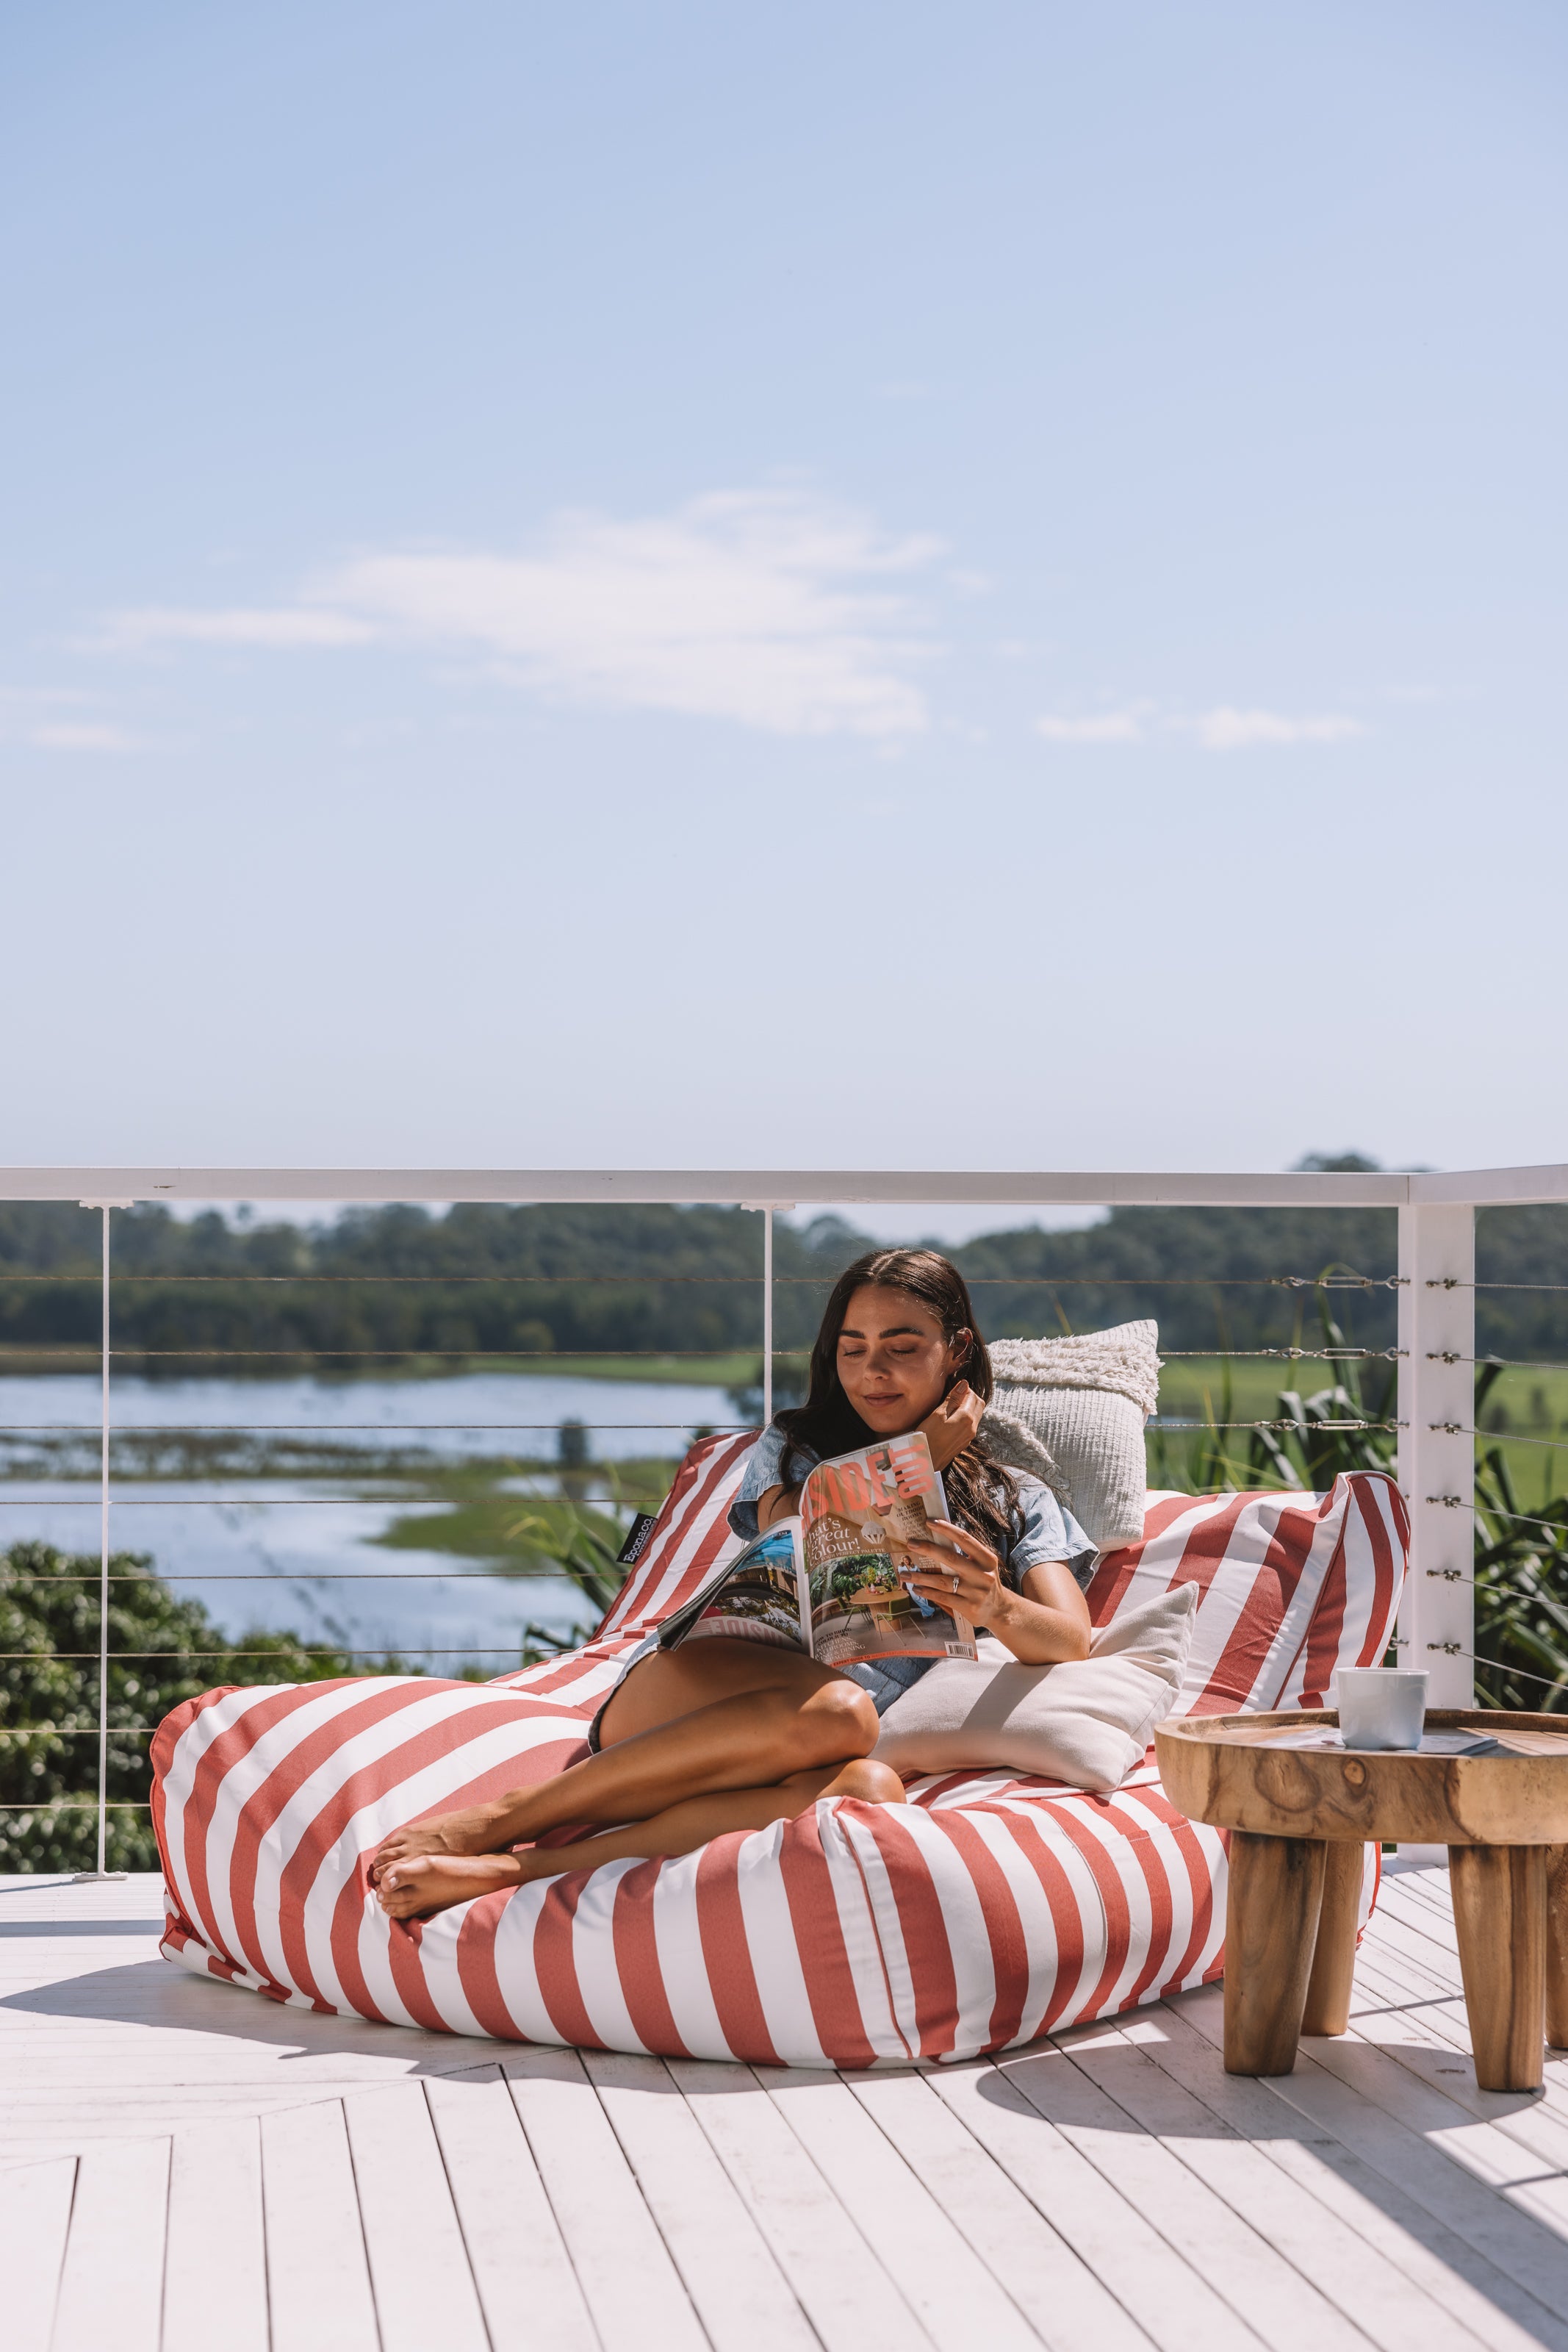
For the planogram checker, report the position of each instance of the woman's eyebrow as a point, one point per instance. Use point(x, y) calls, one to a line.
point(888, 1331)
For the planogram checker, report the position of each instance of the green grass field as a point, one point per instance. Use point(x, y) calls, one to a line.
point(1526, 1411)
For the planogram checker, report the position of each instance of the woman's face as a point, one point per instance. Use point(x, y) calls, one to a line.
point(893, 1362)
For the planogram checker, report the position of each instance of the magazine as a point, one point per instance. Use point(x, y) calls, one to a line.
point(1433, 1743)
point(832, 1581)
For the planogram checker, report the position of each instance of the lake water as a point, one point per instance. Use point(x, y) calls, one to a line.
point(262, 1549)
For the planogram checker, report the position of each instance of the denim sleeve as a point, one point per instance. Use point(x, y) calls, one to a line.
point(1043, 1531)
point(763, 1469)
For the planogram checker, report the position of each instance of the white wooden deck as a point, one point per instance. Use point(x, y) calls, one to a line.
point(184, 2165)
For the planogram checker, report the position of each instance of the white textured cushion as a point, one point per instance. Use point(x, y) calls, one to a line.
point(1087, 1722)
point(1072, 1411)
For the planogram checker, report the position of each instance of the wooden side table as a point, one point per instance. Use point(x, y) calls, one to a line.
point(1299, 1820)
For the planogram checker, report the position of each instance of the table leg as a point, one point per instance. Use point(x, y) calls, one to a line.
point(1557, 1946)
point(1276, 1891)
point(1499, 1915)
point(1333, 1961)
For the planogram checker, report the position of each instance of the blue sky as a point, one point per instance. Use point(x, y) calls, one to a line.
point(858, 586)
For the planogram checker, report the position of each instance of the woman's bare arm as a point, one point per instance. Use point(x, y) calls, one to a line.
point(1047, 1622)
point(1043, 1625)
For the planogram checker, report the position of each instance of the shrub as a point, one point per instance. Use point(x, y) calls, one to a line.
point(162, 1651)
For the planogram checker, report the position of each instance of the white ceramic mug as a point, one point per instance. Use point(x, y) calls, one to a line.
point(1381, 1706)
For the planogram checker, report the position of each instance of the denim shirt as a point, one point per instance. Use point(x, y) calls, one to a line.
point(1040, 1530)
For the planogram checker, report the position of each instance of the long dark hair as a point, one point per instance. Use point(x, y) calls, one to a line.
point(980, 1491)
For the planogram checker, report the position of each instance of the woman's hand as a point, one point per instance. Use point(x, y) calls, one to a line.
point(955, 1423)
point(960, 1574)
point(1043, 1625)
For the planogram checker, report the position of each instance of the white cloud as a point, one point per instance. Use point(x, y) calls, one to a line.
point(70, 735)
point(1110, 726)
point(1225, 729)
point(764, 607)
point(287, 626)
point(1220, 729)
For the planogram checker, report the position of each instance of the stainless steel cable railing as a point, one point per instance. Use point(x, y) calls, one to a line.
point(1434, 1289)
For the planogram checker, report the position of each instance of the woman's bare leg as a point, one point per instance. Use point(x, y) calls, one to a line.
point(428, 1883)
point(716, 1715)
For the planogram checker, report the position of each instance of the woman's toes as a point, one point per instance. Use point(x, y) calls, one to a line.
point(414, 1888)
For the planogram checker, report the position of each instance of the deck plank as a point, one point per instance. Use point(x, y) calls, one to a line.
point(1291, 2295)
point(957, 2299)
point(741, 2295)
point(1432, 2109)
point(1251, 2138)
point(633, 2289)
point(1175, 2308)
point(1431, 2040)
point(216, 2257)
point(1241, 2267)
point(1051, 2286)
point(319, 2281)
point(1429, 2174)
point(112, 2282)
point(1455, 2276)
point(526, 2286)
point(419, 2276)
point(852, 2302)
point(34, 2217)
point(101, 2038)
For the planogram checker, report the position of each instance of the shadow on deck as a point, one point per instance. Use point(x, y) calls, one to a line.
point(182, 2162)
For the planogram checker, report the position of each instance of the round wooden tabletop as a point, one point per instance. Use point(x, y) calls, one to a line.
point(1245, 1772)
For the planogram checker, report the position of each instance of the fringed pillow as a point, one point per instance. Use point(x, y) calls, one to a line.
point(1071, 1412)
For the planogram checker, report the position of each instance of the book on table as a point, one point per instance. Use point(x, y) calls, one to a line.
point(832, 1581)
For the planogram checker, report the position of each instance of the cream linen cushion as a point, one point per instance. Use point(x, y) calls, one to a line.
point(1071, 1412)
point(1087, 1721)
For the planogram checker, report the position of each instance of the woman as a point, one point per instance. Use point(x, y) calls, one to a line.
point(723, 1734)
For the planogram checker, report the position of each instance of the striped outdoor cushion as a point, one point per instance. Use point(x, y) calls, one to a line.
point(1290, 1586)
point(986, 1911)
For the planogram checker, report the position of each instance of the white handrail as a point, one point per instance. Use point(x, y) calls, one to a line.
point(1016, 1188)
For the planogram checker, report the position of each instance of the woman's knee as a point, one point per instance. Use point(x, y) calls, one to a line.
point(861, 1778)
point(870, 1782)
point(834, 1723)
point(844, 1714)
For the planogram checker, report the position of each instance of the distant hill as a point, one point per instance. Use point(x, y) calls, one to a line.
point(573, 1279)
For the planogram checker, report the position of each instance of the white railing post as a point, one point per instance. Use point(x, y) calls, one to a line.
point(767, 1318)
point(1437, 1449)
point(101, 1869)
point(767, 1208)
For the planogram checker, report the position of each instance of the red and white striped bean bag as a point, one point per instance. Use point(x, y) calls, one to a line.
point(987, 1910)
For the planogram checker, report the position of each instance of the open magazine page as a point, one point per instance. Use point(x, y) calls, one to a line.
point(755, 1598)
point(858, 1516)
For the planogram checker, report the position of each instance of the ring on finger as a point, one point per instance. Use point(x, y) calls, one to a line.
point(954, 1584)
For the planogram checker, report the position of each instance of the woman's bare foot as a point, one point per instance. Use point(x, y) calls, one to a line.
point(415, 1888)
point(472, 1832)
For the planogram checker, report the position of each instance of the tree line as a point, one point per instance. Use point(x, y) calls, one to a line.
point(568, 1280)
